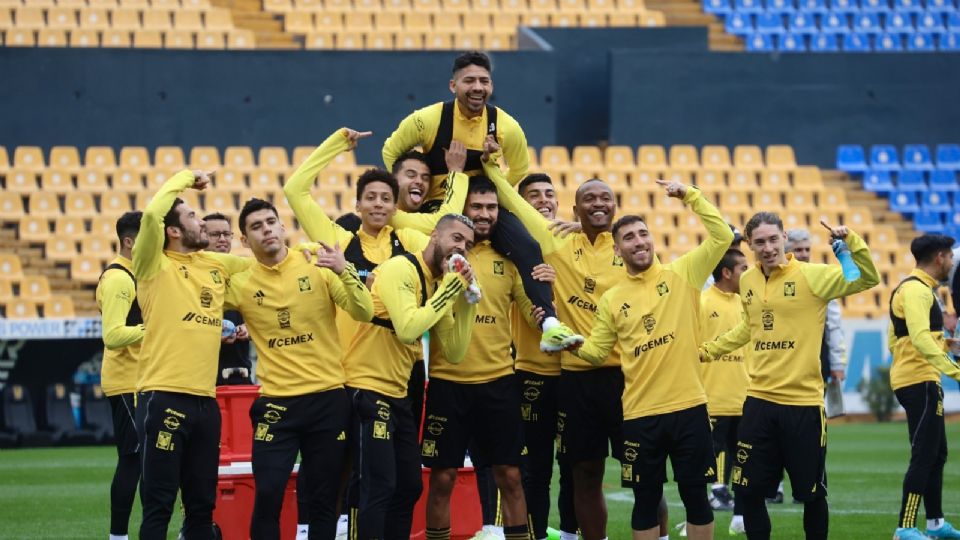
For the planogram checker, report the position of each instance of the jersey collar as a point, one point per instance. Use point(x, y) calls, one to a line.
point(460, 117)
point(791, 262)
point(925, 277)
point(652, 273)
point(385, 231)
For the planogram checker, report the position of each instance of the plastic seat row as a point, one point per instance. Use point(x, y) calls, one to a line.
point(19, 424)
point(834, 23)
point(822, 7)
point(937, 181)
point(851, 158)
point(910, 202)
point(109, 4)
point(149, 39)
point(457, 6)
point(853, 42)
point(69, 18)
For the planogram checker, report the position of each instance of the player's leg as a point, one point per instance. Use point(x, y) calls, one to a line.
point(409, 480)
point(445, 437)
point(127, 473)
point(565, 507)
point(803, 439)
point(352, 467)
point(324, 447)
point(758, 464)
point(720, 498)
point(377, 464)
point(276, 440)
point(643, 469)
point(161, 452)
point(539, 412)
point(198, 474)
point(496, 424)
point(692, 458)
point(415, 392)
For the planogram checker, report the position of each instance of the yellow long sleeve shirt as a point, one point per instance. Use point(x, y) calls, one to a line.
point(785, 313)
point(319, 227)
point(380, 358)
point(181, 297)
point(654, 315)
point(921, 355)
point(116, 293)
point(488, 355)
point(725, 380)
point(289, 310)
point(585, 270)
point(420, 129)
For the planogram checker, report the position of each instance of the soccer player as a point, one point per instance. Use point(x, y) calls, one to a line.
point(481, 127)
point(291, 308)
point(180, 289)
point(478, 398)
point(919, 356)
point(234, 365)
point(649, 315)
point(412, 293)
point(725, 381)
point(539, 375)
point(782, 426)
point(122, 334)
point(591, 413)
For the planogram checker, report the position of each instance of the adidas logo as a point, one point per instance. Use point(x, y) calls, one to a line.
point(259, 296)
point(342, 436)
point(714, 315)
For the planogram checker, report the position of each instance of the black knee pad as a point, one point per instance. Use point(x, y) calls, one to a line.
point(646, 506)
point(694, 498)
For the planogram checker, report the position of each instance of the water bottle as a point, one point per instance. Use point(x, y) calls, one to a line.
point(850, 270)
point(229, 329)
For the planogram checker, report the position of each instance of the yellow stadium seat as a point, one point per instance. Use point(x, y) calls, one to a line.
point(742, 179)
point(408, 40)
point(417, 21)
point(100, 158)
point(241, 39)
point(11, 206)
point(710, 181)
point(833, 199)
point(807, 178)
point(71, 3)
point(587, 157)
point(65, 157)
point(652, 19)
point(264, 179)
point(56, 180)
point(189, 196)
point(646, 180)
point(6, 291)
point(300, 154)
point(800, 200)
point(468, 40)
point(80, 203)
point(273, 158)
point(4, 159)
point(127, 181)
point(211, 40)
point(448, 22)
point(94, 19)
point(399, 6)
point(320, 40)
point(350, 40)
point(793, 219)
point(21, 308)
point(157, 19)
point(622, 19)
point(230, 179)
point(859, 306)
point(651, 157)
point(575, 7)
point(21, 181)
point(858, 218)
point(535, 19)
point(593, 20)
point(136, 158)
point(33, 229)
point(780, 157)
point(358, 22)
point(298, 22)
point(277, 6)
point(767, 200)
point(62, 18)
point(774, 179)
point(319, 5)
point(165, 4)
point(219, 201)
point(459, 6)
point(125, 18)
point(735, 201)
point(438, 40)
point(387, 21)
point(148, 39)
point(29, 18)
point(105, 4)
point(238, 157)
point(100, 226)
point(10, 267)
point(748, 157)
point(20, 37)
point(684, 157)
point(188, 19)
point(44, 203)
point(95, 246)
point(618, 158)
point(195, 4)
point(602, 6)
point(673, 175)
point(715, 157)
point(115, 39)
point(378, 41)
point(635, 6)
point(114, 203)
point(564, 20)
point(500, 40)
point(85, 269)
point(6, 15)
point(367, 6)
point(218, 19)
point(555, 158)
point(635, 202)
point(28, 158)
point(178, 39)
point(58, 306)
point(36, 288)
point(59, 249)
point(169, 157)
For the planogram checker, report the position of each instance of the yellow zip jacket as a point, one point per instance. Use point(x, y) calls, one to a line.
point(420, 129)
point(526, 341)
point(290, 310)
point(784, 324)
point(654, 316)
point(921, 355)
point(725, 380)
point(116, 292)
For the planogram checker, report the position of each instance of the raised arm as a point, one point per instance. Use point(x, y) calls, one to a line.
point(535, 223)
point(418, 129)
point(148, 247)
point(397, 284)
point(827, 281)
point(514, 145)
point(697, 264)
point(117, 294)
point(603, 335)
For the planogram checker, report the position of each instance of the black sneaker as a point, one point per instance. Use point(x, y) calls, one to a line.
point(720, 499)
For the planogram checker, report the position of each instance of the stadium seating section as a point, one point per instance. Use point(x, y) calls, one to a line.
point(823, 26)
point(63, 208)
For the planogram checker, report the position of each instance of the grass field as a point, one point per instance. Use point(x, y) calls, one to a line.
point(64, 493)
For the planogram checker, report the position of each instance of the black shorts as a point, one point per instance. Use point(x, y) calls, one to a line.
point(774, 437)
point(487, 413)
point(724, 443)
point(124, 424)
point(682, 435)
point(317, 422)
point(591, 414)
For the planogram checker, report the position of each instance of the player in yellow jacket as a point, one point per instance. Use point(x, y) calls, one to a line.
point(782, 426)
point(122, 334)
point(653, 315)
point(919, 357)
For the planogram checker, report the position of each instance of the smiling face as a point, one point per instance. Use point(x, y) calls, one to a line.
point(376, 205)
point(482, 209)
point(634, 244)
point(450, 237)
point(767, 244)
point(595, 206)
point(543, 197)
point(191, 231)
point(264, 234)
point(413, 177)
point(221, 238)
point(473, 86)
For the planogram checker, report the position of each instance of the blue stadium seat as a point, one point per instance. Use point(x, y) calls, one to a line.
point(782, 7)
point(792, 43)
point(930, 22)
point(752, 7)
point(921, 42)
point(904, 202)
point(916, 157)
point(739, 24)
point(845, 6)
point(835, 23)
point(940, 6)
point(889, 43)
point(770, 23)
point(717, 7)
point(948, 157)
point(953, 21)
point(883, 157)
point(875, 6)
point(759, 43)
point(944, 181)
point(928, 222)
point(817, 7)
point(950, 41)
point(803, 23)
point(867, 23)
point(856, 42)
point(900, 23)
point(851, 158)
point(911, 181)
point(823, 43)
point(878, 182)
point(934, 201)
point(908, 6)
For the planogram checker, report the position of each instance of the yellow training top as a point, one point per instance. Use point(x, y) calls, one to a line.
point(784, 324)
point(921, 355)
point(654, 316)
point(526, 341)
point(725, 380)
point(290, 310)
point(116, 292)
point(488, 355)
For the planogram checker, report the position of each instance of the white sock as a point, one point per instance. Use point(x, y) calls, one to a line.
point(737, 520)
point(667, 537)
point(303, 531)
point(549, 323)
point(780, 488)
point(564, 535)
point(934, 524)
point(495, 530)
point(718, 486)
point(119, 537)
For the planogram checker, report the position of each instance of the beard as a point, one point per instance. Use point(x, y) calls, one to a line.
point(194, 240)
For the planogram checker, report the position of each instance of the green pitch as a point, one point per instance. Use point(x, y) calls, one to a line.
point(64, 493)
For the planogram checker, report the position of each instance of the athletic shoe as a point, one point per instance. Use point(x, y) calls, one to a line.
point(559, 338)
point(736, 527)
point(303, 533)
point(681, 529)
point(720, 499)
point(912, 533)
point(945, 531)
point(778, 499)
point(484, 534)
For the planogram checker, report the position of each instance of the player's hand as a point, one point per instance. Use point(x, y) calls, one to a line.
point(201, 179)
point(242, 334)
point(673, 188)
point(490, 147)
point(228, 340)
point(331, 258)
point(562, 228)
point(455, 156)
point(839, 232)
point(353, 137)
point(838, 375)
point(464, 269)
point(704, 355)
point(544, 272)
point(950, 321)
point(537, 313)
point(371, 277)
